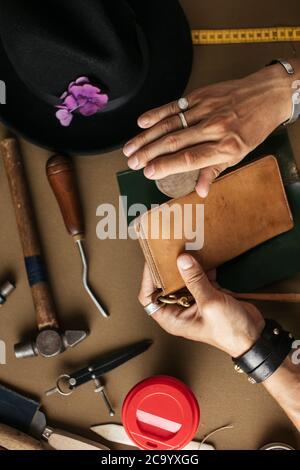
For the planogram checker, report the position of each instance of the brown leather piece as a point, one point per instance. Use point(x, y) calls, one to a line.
point(243, 209)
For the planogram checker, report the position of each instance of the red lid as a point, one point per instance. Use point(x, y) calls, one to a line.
point(161, 413)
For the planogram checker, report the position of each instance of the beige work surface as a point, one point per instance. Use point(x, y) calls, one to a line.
point(116, 267)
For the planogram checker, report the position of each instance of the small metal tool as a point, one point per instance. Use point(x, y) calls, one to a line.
point(79, 243)
point(100, 389)
point(5, 290)
point(61, 176)
point(66, 384)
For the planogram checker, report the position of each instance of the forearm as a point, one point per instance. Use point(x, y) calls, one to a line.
point(275, 88)
point(284, 386)
point(289, 84)
point(284, 383)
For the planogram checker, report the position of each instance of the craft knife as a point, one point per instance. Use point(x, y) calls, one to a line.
point(23, 413)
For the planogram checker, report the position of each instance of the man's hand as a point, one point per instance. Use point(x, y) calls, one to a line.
point(220, 320)
point(226, 122)
point(216, 318)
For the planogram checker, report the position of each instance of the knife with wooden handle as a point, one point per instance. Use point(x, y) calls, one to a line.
point(116, 433)
point(61, 440)
point(28, 427)
point(11, 439)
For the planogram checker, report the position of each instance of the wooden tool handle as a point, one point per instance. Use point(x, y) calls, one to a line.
point(11, 439)
point(61, 440)
point(61, 176)
point(20, 197)
point(45, 312)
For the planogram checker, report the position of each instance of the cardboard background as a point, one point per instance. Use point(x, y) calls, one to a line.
point(115, 270)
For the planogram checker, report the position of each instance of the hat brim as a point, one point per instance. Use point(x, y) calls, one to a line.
point(170, 48)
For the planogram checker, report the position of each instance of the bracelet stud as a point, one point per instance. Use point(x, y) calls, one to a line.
point(238, 369)
point(251, 380)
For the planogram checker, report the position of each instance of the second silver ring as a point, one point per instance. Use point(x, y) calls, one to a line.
point(152, 308)
point(183, 120)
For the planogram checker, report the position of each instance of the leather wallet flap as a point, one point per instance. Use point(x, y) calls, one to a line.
point(243, 209)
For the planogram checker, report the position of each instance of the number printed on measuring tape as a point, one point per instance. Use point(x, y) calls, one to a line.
point(246, 35)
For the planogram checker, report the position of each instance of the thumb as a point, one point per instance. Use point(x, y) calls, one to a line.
point(195, 278)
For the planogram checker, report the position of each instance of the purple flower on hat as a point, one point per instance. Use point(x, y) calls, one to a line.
point(65, 117)
point(82, 97)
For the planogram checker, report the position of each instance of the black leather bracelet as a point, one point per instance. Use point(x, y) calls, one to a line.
point(261, 350)
point(273, 362)
point(267, 354)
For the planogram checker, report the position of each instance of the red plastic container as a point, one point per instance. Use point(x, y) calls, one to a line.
point(161, 413)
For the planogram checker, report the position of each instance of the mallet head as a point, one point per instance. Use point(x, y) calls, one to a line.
point(50, 343)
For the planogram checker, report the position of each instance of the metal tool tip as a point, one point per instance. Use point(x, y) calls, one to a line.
point(51, 392)
point(6, 289)
point(24, 350)
point(74, 337)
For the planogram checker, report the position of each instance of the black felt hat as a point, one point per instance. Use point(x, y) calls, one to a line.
point(78, 73)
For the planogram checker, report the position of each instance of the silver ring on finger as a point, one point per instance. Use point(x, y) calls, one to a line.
point(183, 104)
point(153, 307)
point(183, 120)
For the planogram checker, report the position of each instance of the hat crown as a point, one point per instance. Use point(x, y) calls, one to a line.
point(53, 42)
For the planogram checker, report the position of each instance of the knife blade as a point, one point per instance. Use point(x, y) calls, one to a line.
point(116, 433)
point(23, 413)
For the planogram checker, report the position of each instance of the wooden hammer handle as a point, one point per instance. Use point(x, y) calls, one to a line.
point(20, 197)
point(61, 176)
point(46, 317)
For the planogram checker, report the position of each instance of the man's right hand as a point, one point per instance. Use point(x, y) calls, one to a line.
point(216, 318)
point(220, 320)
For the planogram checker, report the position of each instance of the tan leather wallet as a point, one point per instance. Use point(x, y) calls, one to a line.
point(243, 209)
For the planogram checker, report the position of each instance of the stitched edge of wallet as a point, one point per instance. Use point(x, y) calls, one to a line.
point(145, 244)
point(149, 255)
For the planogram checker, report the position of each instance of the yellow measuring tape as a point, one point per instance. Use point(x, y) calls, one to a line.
point(246, 35)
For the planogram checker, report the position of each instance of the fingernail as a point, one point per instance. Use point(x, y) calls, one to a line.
point(129, 149)
point(144, 121)
point(133, 163)
point(185, 262)
point(149, 171)
point(202, 192)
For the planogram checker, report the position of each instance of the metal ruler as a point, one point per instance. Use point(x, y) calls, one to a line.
point(246, 35)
